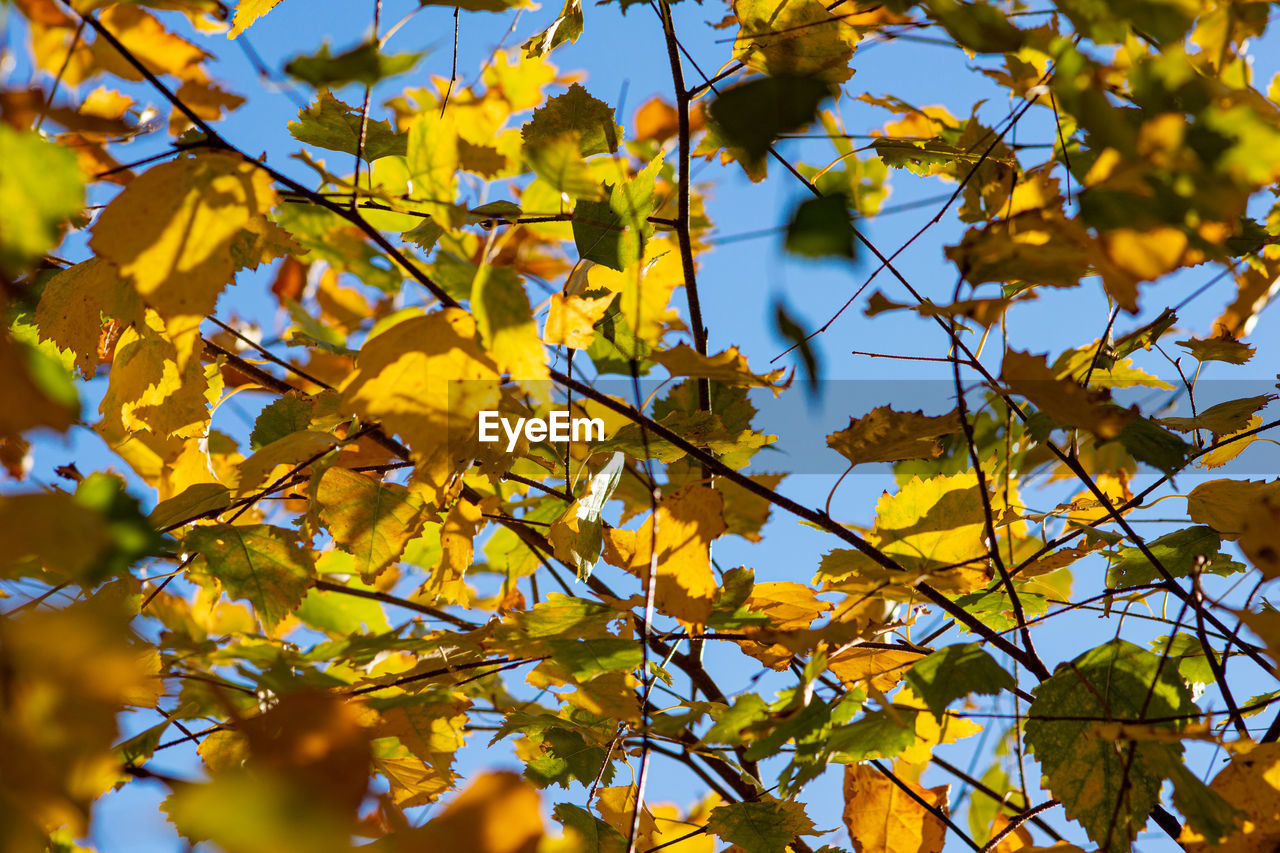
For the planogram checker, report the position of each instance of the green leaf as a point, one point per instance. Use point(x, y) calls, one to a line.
point(1204, 808)
point(585, 544)
point(1117, 682)
point(341, 615)
point(751, 115)
point(794, 334)
point(559, 162)
point(616, 345)
point(567, 756)
point(425, 235)
point(821, 227)
point(371, 520)
point(614, 233)
point(137, 750)
point(565, 28)
point(764, 826)
point(1110, 21)
point(732, 722)
point(956, 671)
point(131, 535)
point(1193, 664)
point(1148, 443)
point(262, 564)
point(585, 659)
point(331, 124)
point(995, 608)
point(978, 26)
point(40, 188)
point(597, 836)
point(363, 64)
point(879, 734)
point(1180, 552)
point(283, 416)
point(575, 112)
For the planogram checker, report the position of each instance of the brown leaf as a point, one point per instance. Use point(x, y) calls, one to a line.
point(883, 435)
point(883, 818)
point(1063, 401)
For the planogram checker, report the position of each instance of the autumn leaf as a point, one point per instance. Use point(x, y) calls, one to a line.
point(881, 816)
point(264, 565)
point(371, 520)
point(883, 435)
point(497, 813)
point(729, 367)
point(170, 232)
point(677, 537)
point(766, 826)
point(1123, 682)
point(1063, 401)
point(42, 189)
point(248, 11)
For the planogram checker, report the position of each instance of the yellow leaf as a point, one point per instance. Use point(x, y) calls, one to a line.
point(883, 668)
point(498, 813)
point(934, 523)
point(1251, 783)
point(794, 38)
point(519, 84)
point(646, 289)
point(687, 522)
point(1260, 535)
point(145, 37)
point(1085, 508)
point(371, 520)
point(171, 231)
point(316, 742)
point(729, 367)
point(1255, 288)
point(1061, 400)
point(672, 827)
point(931, 731)
point(68, 675)
point(457, 550)
point(883, 818)
point(430, 732)
point(1234, 447)
point(432, 160)
point(506, 325)
point(426, 379)
point(248, 11)
point(73, 303)
point(617, 806)
point(1224, 504)
point(205, 100)
point(1019, 839)
point(571, 320)
point(1140, 256)
point(791, 607)
point(883, 435)
point(33, 528)
point(157, 382)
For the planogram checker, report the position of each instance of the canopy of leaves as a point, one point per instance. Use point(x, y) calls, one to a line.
point(252, 361)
